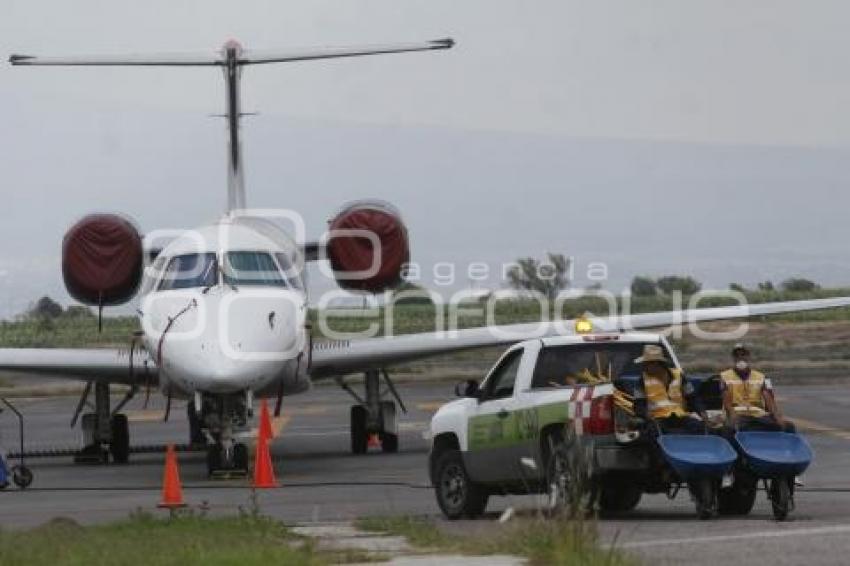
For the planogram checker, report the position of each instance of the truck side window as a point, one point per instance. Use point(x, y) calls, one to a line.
point(500, 384)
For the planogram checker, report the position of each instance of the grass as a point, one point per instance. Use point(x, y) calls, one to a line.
point(75, 332)
point(424, 318)
point(550, 542)
point(184, 540)
point(67, 332)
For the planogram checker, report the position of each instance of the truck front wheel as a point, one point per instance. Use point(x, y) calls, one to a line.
point(457, 495)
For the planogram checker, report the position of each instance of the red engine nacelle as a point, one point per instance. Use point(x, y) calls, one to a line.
point(357, 265)
point(102, 260)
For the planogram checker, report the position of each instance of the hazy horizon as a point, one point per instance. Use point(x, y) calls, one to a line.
point(655, 137)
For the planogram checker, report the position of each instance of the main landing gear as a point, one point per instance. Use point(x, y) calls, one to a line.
point(106, 434)
point(374, 416)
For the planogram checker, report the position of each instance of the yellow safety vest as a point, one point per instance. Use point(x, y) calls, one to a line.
point(747, 396)
point(664, 401)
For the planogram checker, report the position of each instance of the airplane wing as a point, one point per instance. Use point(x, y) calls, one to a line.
point(342, 357)
point(110, 365)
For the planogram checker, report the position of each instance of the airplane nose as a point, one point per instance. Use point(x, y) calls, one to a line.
point(233, 340)
point(260, 325)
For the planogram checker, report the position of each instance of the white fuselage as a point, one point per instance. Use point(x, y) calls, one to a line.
point(223, 311)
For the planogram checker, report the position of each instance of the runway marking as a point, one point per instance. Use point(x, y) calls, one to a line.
point(805, 424)
point(431, 406)
point(145, 415)
point(278, 424)
point(830, 530)
point(308, 410)
point(416, 426)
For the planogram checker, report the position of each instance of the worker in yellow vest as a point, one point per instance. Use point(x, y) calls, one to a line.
point(748, 396)
point(665, 394)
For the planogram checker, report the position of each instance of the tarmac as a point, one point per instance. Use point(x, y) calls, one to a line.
point(321, 482)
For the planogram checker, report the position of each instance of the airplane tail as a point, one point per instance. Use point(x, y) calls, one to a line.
point(231, 58)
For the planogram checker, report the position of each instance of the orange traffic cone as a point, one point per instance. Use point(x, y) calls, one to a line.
point(172, 491)
point(374, 441)
point(263, 469)
point(265, 421)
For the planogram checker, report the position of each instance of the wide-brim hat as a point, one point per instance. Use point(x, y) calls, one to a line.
point(652, 353)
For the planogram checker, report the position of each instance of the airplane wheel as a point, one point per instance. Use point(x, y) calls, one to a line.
point(389, 442)
point(22, 476)
point(359, 435)
point(120, 444)
point(196, 433)
point(240, 457)
point(213, 458)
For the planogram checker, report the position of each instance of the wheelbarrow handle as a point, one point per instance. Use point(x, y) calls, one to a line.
point(20, 425)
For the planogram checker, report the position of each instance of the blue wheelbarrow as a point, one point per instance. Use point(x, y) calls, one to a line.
point(775, 458)
point(701, 461)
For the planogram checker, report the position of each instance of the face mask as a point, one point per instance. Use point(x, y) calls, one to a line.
point(741, 365)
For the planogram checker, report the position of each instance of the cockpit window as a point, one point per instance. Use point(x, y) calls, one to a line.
point(190, 270)
point(290, 271)
point(252, 268)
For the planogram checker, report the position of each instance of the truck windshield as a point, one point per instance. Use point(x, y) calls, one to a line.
point(572, 364)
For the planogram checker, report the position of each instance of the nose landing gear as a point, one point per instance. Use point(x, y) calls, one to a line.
point(225, 460)
point(219, 419)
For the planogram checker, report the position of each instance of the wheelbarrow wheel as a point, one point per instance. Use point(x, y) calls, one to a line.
point(780, 498)
point(22, 476)
point(705, 494)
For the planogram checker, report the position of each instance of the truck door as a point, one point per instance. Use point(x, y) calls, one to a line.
point(492, 426)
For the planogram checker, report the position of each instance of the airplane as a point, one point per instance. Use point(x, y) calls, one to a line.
point(223, 308)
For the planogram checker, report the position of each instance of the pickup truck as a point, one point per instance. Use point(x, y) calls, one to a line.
point(544, 421)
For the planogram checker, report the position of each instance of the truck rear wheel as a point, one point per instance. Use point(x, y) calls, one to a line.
point(569, 487)
point(457, 495)
point(736, 500)
point(618, 499)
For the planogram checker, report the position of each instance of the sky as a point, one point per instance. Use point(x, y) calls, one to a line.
point(705, 137)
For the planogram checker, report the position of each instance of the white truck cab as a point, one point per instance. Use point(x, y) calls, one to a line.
point(542, 396)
